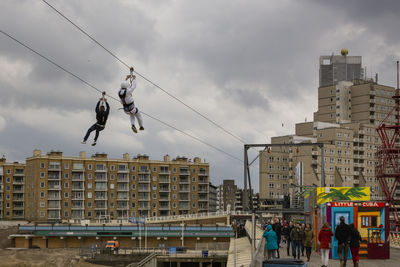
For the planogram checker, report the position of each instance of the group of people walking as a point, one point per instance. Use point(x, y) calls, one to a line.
point(301, 238)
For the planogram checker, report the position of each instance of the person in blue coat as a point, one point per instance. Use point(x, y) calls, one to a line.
point(271, 242)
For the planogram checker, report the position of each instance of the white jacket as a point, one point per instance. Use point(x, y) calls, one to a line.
point(128, 97)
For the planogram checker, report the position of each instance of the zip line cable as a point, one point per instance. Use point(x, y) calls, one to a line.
point(95, 88)
point(142, 76)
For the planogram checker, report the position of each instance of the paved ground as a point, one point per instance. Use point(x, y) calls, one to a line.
point(394, 260)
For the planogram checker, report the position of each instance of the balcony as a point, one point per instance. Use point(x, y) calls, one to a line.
point(123, 207)
point(54, 187)
point(78, 177)
point(202, 208)
point(184, 188)
point(54, 207)
point(314, 162)
point(356, 173)
point(100, 197)
point(78, 197)
point(18, 199)
point(56, 167)
point(78, 207)
point(126, 197)
point(19, 189)
point(123, 178)
point(203, 190)
point(184, 181)
point(123, 188)
point(164, 180)
point(164, 198)
point(202, 199)
point(164, 189)
point(203, 181)
point(144, 188)
point(184, 172)
point(164, 172)
point(100, 207)
point(164, 207)
point(78, 188)
point(123, 169)
point(203, 173)
point(144, 179)
point(54, 197)
point(54, 176)
point(19, 207)
point(355, 147)
point(144, 207)
point(144, 198)
point(183, 207)
point(18, 180)
point(101, 168)
point(144, 171)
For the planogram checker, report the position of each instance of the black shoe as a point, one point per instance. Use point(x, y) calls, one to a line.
point(134, 129)
point(94, 143)
point(141, 128)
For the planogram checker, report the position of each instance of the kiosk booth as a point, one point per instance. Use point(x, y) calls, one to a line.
point(371, 218)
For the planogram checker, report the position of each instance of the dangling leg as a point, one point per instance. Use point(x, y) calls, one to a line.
point(132, 115)
point(91, 129)
point(139, 118)
point(98, 129)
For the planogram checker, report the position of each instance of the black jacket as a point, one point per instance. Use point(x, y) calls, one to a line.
point(342, 233)
point(355, 238)
point(101, 116)
point(286, 231)
point(278, 230)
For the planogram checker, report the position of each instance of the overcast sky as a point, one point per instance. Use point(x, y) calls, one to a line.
point(250, 66)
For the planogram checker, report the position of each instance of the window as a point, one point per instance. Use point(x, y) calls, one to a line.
point(42, 185)
point(112, 204)
point(89, 166)
point(8, 205)
point(42, 165)
point(66, 204)
point(174, 179)
point(174, 196)
point(133, 195)
point(112, 167)
point(154, 187)
point(111, 186)
point(194, 196)
point(42, 214)
point(8, 171)
point(133, 204)
point(66, 175)
point(174, 170)
point(193, 179)
point(66, 185)
point(89, 176)
point(174, 205)
point(174, 187)
point(66, 195)
point(66, 166)
point(41, 204)
point(133, 169)
point(194, 188)
point(89, 194)
point(133, 186)
point(154, 169)
point(42, 194)
point(154, 196)
point(42, 175)
point(271, 185)
point(89, 185)
point(133, 177)
point(193, 170)
point(369, 221)
point(89, 204)
point(154, 205)
point(193, 205)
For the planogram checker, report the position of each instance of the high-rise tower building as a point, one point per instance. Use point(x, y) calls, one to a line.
point(336, 68)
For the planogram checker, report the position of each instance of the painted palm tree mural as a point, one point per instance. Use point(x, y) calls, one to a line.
point(343, 194)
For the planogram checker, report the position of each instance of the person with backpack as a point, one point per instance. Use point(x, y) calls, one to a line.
point(127, 101)
point(342, 235)
point(355, 239)
point(325, 243)
point(271, 242)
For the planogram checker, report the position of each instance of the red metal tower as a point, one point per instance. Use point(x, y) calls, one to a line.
point(388, 157)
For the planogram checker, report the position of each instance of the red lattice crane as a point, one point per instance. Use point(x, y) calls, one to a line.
point(387, 169)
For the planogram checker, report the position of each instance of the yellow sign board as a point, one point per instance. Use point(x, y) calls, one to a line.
point(329, 194)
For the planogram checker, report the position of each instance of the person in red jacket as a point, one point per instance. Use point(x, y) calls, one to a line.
point(325, 240)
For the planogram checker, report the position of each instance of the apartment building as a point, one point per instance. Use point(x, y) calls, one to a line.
point(12, 190)
point(60, 187)
point(358, 101)
point(226, 195)
point(212, 198)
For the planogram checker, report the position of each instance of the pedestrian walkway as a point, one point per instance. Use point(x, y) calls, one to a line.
point(394, 260)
